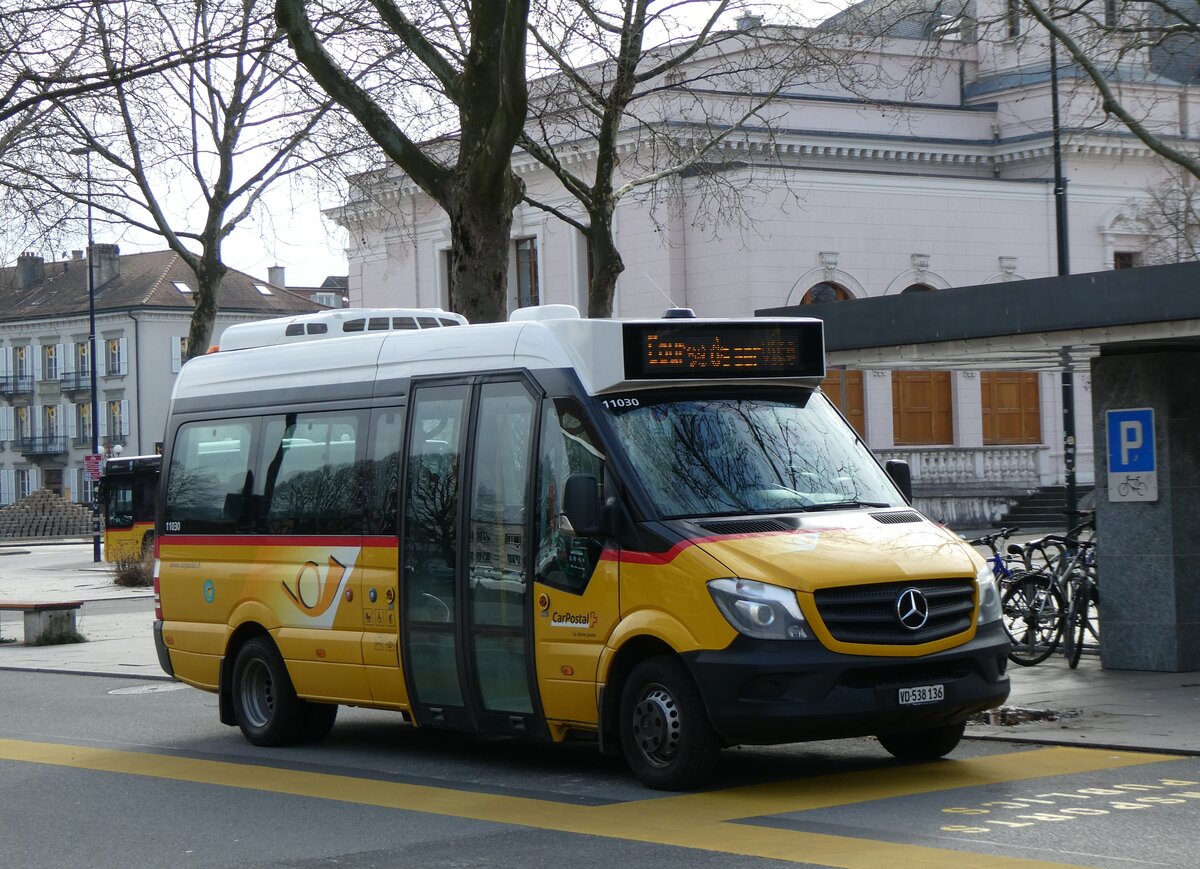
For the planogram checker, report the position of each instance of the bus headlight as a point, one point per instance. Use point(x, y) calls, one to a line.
point(989, 596)
point(755, 609)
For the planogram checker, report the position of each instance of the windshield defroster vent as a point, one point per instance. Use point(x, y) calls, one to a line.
point(897, 518)
point(748, 526)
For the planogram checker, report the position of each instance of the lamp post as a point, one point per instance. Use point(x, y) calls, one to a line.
point(91, 284)
point(1064, 269)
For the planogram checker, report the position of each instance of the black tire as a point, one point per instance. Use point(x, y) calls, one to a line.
point(318, 720)
point(928, 744)
point(1033, 609)
point(264, 701)
point(1076, 624)
point(665, 732)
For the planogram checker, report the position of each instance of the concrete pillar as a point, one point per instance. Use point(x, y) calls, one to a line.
point(1149, 552)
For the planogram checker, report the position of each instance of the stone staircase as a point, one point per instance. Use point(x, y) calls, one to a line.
point(1046, 508)
point(44, 514)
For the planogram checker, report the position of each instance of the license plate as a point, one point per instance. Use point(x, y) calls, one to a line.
point(922, 694)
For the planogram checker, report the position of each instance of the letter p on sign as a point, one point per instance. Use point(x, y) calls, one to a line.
point(1131, 438)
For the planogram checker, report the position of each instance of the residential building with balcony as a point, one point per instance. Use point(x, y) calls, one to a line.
point(143, 309)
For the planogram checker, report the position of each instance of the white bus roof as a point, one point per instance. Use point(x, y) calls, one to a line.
point(334, 324)
point(605, 354)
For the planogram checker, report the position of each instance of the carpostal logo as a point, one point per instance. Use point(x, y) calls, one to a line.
point(573, 620)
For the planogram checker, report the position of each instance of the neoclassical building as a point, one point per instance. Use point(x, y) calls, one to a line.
point(935, 170)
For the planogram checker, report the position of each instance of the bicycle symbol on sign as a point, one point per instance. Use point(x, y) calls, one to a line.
point(1133, 484)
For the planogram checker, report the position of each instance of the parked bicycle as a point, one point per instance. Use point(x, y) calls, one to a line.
point(1052, 600)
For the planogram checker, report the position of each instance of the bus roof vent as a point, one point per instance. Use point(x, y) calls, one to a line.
point(335, 324)
point(544, 312)
point(679, 314)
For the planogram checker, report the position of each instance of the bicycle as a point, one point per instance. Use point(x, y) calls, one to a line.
point(1050, 602)
point(1000, 563)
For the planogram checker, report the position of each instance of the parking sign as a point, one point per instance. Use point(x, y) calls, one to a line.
point(1132, 467)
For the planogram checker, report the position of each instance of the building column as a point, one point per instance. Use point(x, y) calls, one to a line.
point(1148, 552)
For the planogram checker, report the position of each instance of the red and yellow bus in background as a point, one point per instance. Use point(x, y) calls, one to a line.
point(128, 495)
point(658, 534)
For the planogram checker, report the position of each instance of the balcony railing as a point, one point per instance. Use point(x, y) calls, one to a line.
point(1012, 467)
point(42, 445)
point(76, 381)
point(15, 384)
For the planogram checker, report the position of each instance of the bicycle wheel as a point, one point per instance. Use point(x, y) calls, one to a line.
point(1033, 610)
point(1074, 626)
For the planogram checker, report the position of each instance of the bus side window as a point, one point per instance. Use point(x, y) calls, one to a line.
point(310, 462)
point(569, 446)
point(205, 482)
point(380, 474)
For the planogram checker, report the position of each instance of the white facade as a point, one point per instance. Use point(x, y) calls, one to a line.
point(941, 179)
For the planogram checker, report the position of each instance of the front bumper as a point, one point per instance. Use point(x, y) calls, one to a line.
point(761, 692)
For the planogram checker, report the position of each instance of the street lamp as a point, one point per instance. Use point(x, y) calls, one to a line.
point(91, 283)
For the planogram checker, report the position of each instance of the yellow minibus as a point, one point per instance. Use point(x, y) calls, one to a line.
point(657, 534)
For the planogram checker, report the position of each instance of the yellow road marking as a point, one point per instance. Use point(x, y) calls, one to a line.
point(690, 821)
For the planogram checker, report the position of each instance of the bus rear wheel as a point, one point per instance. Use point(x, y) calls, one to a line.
point(927, 744)
point(665, 733)
point(264, 701)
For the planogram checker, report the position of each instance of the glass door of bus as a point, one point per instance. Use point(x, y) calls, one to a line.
point(466, 636)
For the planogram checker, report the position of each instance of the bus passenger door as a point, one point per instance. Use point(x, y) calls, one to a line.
point(466, 632)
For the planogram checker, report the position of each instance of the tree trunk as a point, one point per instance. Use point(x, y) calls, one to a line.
point(210, 272)
point(607, 265)
point(480, 246)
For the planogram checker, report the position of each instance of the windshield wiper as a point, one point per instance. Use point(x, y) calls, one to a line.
point(843, 505)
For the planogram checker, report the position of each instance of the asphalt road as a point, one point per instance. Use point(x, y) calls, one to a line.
point(111, 772)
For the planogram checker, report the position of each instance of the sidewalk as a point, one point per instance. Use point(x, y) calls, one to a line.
point(1050, 703)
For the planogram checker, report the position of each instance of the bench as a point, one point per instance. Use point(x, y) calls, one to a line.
point(45, 622)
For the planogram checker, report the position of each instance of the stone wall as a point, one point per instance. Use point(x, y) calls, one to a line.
point(44, 514)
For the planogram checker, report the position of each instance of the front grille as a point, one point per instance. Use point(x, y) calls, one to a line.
point(867, 613)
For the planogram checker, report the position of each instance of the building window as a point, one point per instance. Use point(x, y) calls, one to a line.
point(83, 357)
point(86, 489)
point(25, 482)
point(1012, 18)
point(826, 292)
point(22, 424)
point(50, 421)
point(114, 355)
point(921, 408)
point(1126, 260)
point(50, 361)
point(448, 271)
point(117, 422)
point(179, 352)
point(844, 389)
point(21, 361)
point(83, 425)
point(917, 288)
point(1012, 411)
point(1111, 13)
point(527, 272)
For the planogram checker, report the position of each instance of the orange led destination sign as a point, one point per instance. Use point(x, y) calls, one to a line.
point(712, 350)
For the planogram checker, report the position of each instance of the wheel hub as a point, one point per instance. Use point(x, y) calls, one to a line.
point(656, 726)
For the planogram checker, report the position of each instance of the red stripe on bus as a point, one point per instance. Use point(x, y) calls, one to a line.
point(370, 542)
point(631, 556)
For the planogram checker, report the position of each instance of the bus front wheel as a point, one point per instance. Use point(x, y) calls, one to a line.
point(665, 733)
point(927, 744)
point(264, 701)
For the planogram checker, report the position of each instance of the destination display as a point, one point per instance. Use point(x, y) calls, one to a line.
point(675, 350)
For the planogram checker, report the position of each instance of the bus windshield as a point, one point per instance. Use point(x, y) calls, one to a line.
point(724, 456)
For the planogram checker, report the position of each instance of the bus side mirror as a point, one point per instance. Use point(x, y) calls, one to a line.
point(901, 475)
point(581, 505)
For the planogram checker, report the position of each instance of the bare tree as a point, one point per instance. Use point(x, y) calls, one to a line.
point(468, 56)
point(1136, 56)
point(1167, 219)
point(187, 154)
point(702, 104)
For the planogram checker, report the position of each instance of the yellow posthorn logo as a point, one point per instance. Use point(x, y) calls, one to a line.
point(311, 591)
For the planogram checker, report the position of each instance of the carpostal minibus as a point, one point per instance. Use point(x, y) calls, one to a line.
point(655, 533)
point(128, 494)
